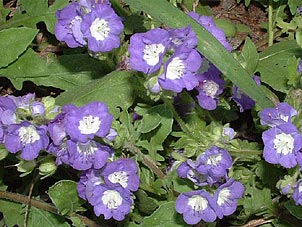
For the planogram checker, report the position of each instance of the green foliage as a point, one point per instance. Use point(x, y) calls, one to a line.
point(273, 64)
point(14, 215)
point(13, 42)
point(64, 196)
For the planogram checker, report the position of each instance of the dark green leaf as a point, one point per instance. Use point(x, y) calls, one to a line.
point(164, 216)
point(273, 64)
point(13, 42)
point(64, 196)
point(114, 89)
point(293, 209)
point(146, 204)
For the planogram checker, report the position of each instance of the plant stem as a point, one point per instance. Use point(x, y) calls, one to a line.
point(42, 205)
point(270, 24)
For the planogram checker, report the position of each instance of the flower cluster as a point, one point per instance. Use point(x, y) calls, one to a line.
point(109, 190)
point(283, 141)
point(172, 62)
point(21, 124)
point(91, 23)
point(210, 168)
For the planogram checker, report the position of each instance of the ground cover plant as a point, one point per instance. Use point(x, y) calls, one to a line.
point(150, 113)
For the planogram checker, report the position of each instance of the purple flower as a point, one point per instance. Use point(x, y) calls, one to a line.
point(102, 28)
point(7, 110)
point(297, 195)
point(89, 4)
point(27, 138)
point(183, 36)
point(281, 114)
point(210, 86)
point(68, 26)
point(209, 24)
point(153, 85)
point(196, 206)
point(281, 144)
point(91, 120)
point(88, 180)
point(226, 197)
point(147, 50)
point(180, 70)
point(2, 133)
point(37, 109)
point(299, 68)
point(112, 202)
point(189, 170)
point(61, 153)
point(244, 101)
point(87, 155)
point(214, 163)
point(229, 132)
point(122, 172)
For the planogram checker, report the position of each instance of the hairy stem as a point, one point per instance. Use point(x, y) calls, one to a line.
point(270, 24)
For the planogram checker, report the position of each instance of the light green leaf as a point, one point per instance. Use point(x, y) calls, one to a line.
point(249, 56)
point(3, 152)
point(64, 196)
point(149, 122)
point(12, 213)
point(67, 72)
point(293, 4)
point(164, 216)
point(114, 89)
point(273, 64)
point(13, 42)
point(207, 45)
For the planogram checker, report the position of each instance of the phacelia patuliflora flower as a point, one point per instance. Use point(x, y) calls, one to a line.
point(68, 26)
point(226, 196)
point(209, 24)
point(7, 111)
point(214, 163)
point(180, 70)
point(243, 100)
point(122, 172)
point(281, 145)
point(27, 138)
point(87, 155)
point(101, 28)
point(281, 114)
point(188, 169)
point(183, 37)
point(297, 194)
point(196, 206)
point(147, 50)
point(112, 202)
point(93, 119)
point(210, 86)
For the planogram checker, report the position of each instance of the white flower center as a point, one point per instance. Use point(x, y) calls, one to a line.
point(99, 29)
point(284, 143)
point(284, 118)
point(86, 149)
point(152, 52)
point(175, 69)
point(210, 88)
point(28, 134)
point(198, 203)
point(89, 125)
point(223, 196)
point(300, 188)
point(214, 160)
point(112, 199)
point(120, 177)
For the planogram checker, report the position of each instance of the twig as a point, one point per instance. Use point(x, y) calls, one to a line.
point(28, 203)
point(257, 222)
point(44, 206)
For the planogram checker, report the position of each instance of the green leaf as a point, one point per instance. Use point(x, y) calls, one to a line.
point(228, 27)
point(65, 72)
point(64, 196)
point(293, 209)
point(293, 4)
point(35, 13)
point(3, 152)
point(164, 216)
point(13, 42)
point(273, 64)
point(146, 204)
point(14, 215)
point(114, 89)
point(149, 122)
point(249, 56)
point(207, 45)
